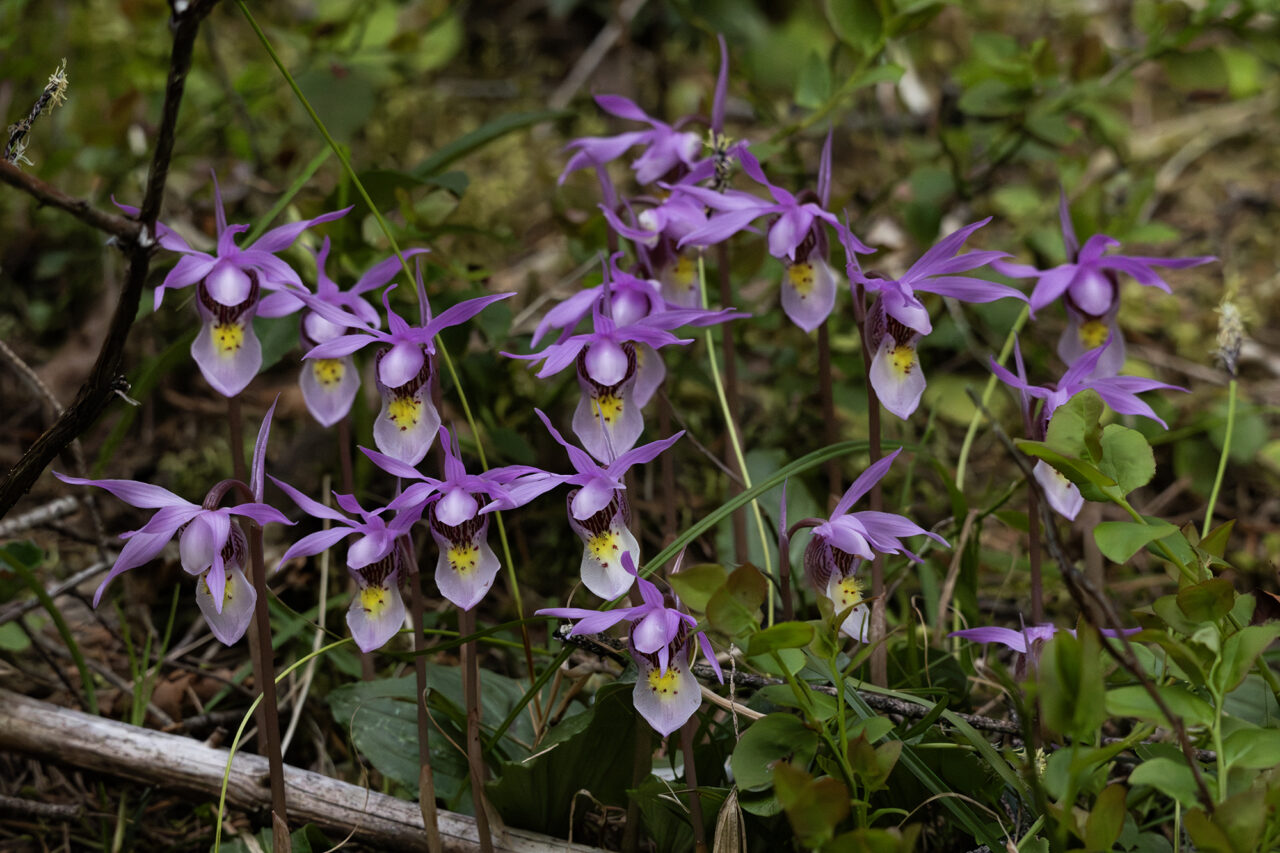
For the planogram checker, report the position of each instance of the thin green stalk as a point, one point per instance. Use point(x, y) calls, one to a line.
point(64, 631)
point(395, 247)
point(1222, 459)
point(972, 432)
point(244, 722)
point(731, 428)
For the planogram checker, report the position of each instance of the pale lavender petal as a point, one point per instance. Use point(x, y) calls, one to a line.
point(942, 250)
point(140, 549)
point(641, 455)
point(340, 347)
point(596, 150)
point(602, 570)
point(857, 624)
point(395, 467)
point(313, 508)
point(891, 524)
point(608, 424)
point(406, 427)
point(464, 573)
point(205, 537)
point(868, 478)
point(229, 618)
point(666, 700)
point(592, 498)
point(1069, 240)
point(581, 460)
point(1093, 292)
point(314, 543)
point(1005, 636)
point(272, 272)
point(456, 507)
point(279, 303)
point(606, 362)
point(1052, 284)
point(401, 364)
point(462, 312)
point(228, 354)
point(1061, 493)
point(897, 378)
point(383, 271)
point(788, 232)
point(227, 283)
point(329, 387)
point(809, 292)
point(189, 270)
point(376, 614)
point(968, 289)
point(1094, 247)
point(567, 314)
point(370, 548)
point(142, 495)
point(650, 371)
point(281, 238)
point(623, 108)
point(721, 227)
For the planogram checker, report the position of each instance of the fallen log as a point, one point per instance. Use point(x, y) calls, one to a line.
point(179, 763)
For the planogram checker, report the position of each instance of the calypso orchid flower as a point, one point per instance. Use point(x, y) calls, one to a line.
point(229, 285)
point(797, 235)
point(408, 422)
point(608, 420)
point(1028, 641)
point(668, 151)
point(377, 561)
point(1090, 289)
point(210, 545)
point(599, 512)
point(663, 646)
point(459, 522)
point(840, 544)
point(1118, 392)
point(629, 299)
point(898, 319)
point(329, 385)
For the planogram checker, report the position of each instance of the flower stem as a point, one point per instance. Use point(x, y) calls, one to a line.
point(687, 732)
point(735, 442)
point(471, 691)
point(879, 622)
point(264, 677)
point(395, 247)
point(426, 780)
point(972, 432)
point(235, 427)
point(829, 428)
point(1033, 554)
point(1222, 459)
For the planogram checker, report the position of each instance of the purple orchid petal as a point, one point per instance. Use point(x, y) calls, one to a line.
point(969, 289)
point(313, 508)
point(465, 574)
point(897, 378)
point(228, 354)
point(1062, 495)
point(229, 616)
point(866, 480)
point(189, 270)
point(280, 238)
point(141, 548)
point(1015, 640)
point(401, 364)
point(329, 387)
point(141, 495)
point(376, 614)
point(666, 699)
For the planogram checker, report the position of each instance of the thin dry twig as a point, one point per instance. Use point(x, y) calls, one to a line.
point(138, 242)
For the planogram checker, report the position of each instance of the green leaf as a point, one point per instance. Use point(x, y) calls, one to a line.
point(1215, 543)
point(1074, 429)
point(1207, 601)
point(747, 586)
point(696, 584)
point(728, 616)
point(277, 335)
point(538, 794)
point(1127, 458)
point(1106, 818)
point(1169, 777)
point(1252, 748)
point(813, 806)
point(813, 86)
point(1240, 651)
point(1076, 470)
point(771, 738)
point(784, 635)
point(857, 23)
point(1120, 540)
point(1070, 681)
point(1133, 701)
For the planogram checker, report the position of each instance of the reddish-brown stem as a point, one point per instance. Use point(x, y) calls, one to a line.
point(687, 731)
point(235, 429)
point(879, 624)
point(729, 353)
point(426, 780)
point(471, 691)
point(830, 430)
point(264, 675)
point(122, 228)
point(1033, 554)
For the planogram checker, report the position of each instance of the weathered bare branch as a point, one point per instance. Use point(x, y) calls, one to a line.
point(122, 227)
